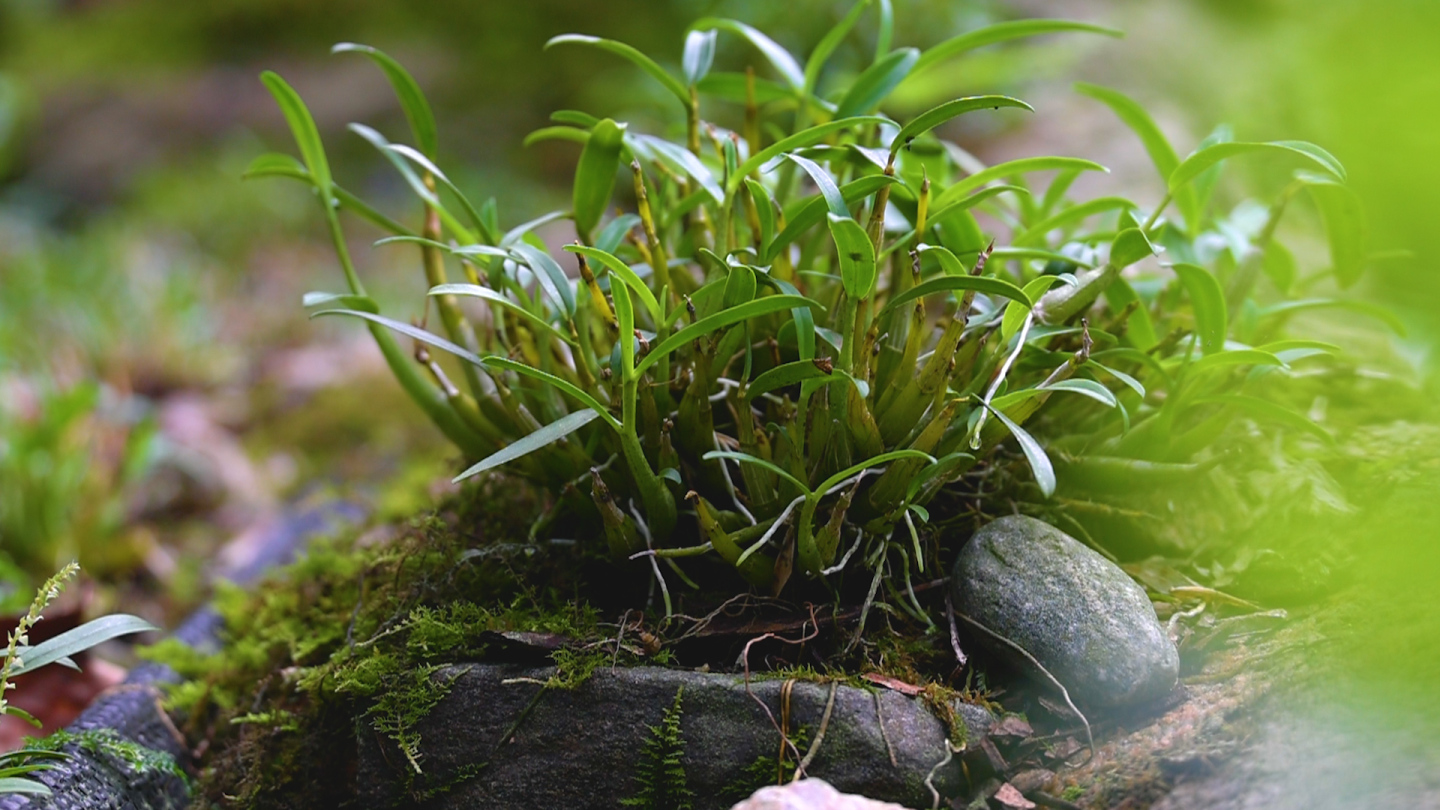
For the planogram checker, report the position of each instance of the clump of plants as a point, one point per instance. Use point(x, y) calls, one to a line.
point(806, 320)
point(20, 656)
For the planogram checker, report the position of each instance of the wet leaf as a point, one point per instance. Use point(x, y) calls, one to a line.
point(1034, 453)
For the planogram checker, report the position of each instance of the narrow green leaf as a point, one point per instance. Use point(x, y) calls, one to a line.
point(834, 200)
point(799, 140)
point(562, 385)
point(595, 175)
point(857, 256)
point(698, 56)
point(1236, 357)
point(1034, 453)
point(1162, 154)
point(79, 639)
point(342, 300)
point(764, 211)
point(1269, 411)
point(813, 210)
point(784, 375)
point(1013, 168)
point(935, 116)
point(412, 332)
point(1130, 382)
point(758, 462)
point(1362, 307)
point(626, 275)
point(383, 146)
point(874, 461)
point(1088, 388)
point(550, 275)
point(1004, 32)
point(476, 291)
point(515, 234)
point(725, 317)
point(677, 159)
point(1037, 233)
point(784, 63)
point(877, 81)
point(412, 100)
point(614, 232)
point(1344, 225)
point(276, 164)
point(16, 784)
point(938, 215)
point(307, 137)
point(561, 133)
point(1201, 160)
point(949, 283)
point(625, 323)
point(629, 52)
point(1279, 265)
point(1208, 300)
point(827, 45)
point(728, 86)
point(885, 28)
point(545, 436)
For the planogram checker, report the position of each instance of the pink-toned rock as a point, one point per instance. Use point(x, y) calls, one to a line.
point(809, 794)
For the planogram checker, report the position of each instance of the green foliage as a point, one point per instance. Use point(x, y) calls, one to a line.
point(21, 656)
point(660, 773)
point(748, 280)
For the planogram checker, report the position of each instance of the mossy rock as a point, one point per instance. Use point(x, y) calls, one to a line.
point(500, 739)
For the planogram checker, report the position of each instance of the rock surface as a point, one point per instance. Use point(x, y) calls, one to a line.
point(486, 746)
point(1077, 613)
point(809, 794)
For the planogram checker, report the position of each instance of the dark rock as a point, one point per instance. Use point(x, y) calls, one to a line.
point(499, 740)
point(1077, 613)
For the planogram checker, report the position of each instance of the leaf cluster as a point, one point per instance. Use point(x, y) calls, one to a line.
point(805, 325)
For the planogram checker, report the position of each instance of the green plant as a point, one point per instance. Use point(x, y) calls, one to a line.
point(660, 772)
point(64, 494)
point(732, 318)
point(21, 657)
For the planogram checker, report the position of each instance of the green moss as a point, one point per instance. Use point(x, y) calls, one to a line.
point(105, 743)
point(660, 774)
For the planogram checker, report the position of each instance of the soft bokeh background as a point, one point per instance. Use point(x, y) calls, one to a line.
point(162, 389)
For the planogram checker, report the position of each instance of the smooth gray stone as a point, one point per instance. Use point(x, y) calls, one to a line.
point(580, 748)
point(1077, 613)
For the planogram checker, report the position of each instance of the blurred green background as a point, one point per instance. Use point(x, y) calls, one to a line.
point(138, 270)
